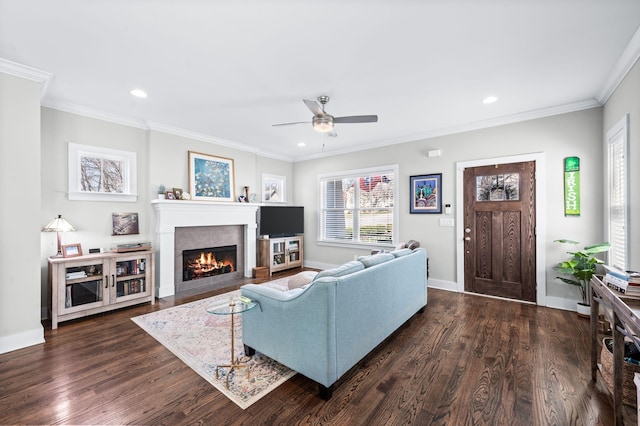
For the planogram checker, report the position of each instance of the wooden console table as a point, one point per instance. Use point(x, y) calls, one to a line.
point(624, 314)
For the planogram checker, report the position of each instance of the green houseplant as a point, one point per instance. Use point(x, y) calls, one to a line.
point(581, 267)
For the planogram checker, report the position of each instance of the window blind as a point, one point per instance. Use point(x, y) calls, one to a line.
point(617, 203)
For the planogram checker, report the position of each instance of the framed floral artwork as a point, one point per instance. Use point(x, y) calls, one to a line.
point(211, 178)
point(426, 193)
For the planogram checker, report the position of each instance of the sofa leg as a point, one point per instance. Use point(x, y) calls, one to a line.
point(249, 351)
point(325, 392)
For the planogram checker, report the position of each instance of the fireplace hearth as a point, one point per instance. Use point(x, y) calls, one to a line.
point(208, 262)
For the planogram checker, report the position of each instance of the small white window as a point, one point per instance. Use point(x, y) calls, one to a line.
point(617, 193)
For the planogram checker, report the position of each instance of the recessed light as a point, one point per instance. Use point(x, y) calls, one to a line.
point(139, 93)
point(302, 144)
point(489, 100)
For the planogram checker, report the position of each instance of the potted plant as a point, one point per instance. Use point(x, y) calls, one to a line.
point(161, 192)
point(581, 266)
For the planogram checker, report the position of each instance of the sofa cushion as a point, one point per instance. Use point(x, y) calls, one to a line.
point(346, 269)
point(376, 259)
point(402, 252)
point(301, 279)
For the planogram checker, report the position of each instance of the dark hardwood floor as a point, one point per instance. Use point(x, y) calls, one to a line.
point(467, 360)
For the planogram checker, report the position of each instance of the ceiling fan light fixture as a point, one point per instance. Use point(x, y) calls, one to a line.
point(323, 123)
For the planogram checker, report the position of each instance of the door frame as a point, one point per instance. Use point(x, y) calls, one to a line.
point(541, 207)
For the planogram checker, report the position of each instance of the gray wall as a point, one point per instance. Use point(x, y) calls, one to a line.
point(575, 134)
point(19, 212)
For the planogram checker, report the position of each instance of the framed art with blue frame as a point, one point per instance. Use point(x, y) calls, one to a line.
point(426, 193)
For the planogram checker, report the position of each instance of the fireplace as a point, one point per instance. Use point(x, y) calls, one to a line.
point(208, 257)
point(208, 262)
point(174, 216)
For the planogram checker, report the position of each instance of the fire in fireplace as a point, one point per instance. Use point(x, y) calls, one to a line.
point(207, 262)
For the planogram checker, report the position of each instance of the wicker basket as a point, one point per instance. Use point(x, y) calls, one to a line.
point(629, 392)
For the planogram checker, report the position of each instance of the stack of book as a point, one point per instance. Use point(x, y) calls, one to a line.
point(627, 282)
point(77, 274)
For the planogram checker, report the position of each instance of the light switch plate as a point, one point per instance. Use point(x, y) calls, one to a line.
point(447, 222)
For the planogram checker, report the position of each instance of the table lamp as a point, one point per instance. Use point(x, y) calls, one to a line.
point(58, 225)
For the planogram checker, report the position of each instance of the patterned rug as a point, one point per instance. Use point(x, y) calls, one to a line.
point(202, 341)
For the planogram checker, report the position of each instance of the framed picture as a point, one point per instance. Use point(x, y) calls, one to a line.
point(210, 177)
point(170, 195)
point(178, 193)
point(102, 174)
point(71, 250)
point(273, 189)
point(426, 193)
point(125, 223)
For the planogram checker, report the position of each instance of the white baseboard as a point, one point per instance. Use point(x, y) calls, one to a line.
point(442, 285)
point(21, 340)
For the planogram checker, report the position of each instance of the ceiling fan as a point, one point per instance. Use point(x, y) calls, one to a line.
point(323, 122)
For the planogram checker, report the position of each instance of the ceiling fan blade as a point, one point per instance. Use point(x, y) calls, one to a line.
point(356, 119)
point(315, 107)
point(290, 124)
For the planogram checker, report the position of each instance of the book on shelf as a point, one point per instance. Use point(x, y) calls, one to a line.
point(628, 276)
point(78, 274)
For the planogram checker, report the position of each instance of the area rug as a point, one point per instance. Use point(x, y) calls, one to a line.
point(203, 341)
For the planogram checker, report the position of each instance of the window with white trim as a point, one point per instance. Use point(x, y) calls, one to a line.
point(617, 193)
point(359, 207)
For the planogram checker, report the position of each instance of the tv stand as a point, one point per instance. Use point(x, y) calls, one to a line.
point(279, 254)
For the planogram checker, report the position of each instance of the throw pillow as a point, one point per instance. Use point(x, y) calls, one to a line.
point(346, 269)
point(375, 259)
point(401, 252)
point(301, 279)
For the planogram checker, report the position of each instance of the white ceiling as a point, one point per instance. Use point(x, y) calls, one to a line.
point(226, 71)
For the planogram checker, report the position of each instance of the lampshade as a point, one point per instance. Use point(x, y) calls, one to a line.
point(58, 225)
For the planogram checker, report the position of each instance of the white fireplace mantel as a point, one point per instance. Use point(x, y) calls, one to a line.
point(172, 214)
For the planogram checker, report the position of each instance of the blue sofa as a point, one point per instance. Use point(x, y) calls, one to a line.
point(324, 328)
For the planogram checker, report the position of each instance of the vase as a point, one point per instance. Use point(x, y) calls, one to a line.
point(583, 310)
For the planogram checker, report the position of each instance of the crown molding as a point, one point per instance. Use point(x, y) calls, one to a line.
point(467, 127)
point(96, 113)
point(26, 72)
point(624, 64)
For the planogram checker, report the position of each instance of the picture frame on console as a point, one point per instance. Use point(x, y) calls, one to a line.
point(71, 250)
point(274, 189)
point(426, 193)
point(211, 178)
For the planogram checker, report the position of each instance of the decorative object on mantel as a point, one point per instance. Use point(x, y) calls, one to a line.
point(59, 225)
point(201, 341)
point(211, 178)
point(125, 223)
point(582, 266)
point(161, 192)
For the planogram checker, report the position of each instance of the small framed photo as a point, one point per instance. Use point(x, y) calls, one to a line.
point(71, 250)
point(426, 193)
point(170, 195)
point(211, 178)
point(178, 193)
point(274, 189)
point(125, 223)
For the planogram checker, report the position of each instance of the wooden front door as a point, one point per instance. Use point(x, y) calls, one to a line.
point(499, 230)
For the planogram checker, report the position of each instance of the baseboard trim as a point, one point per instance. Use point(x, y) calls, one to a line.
point(21, 340)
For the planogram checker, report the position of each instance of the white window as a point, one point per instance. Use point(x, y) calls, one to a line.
point(617, 193)
point(359, 207)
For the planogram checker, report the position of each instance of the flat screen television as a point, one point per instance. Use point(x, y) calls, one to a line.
point(280, 221)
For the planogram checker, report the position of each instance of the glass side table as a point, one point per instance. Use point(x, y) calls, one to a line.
point(232, 308)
